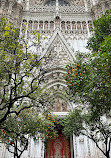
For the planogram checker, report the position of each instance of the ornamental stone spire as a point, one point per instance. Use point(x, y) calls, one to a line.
point(57, 7)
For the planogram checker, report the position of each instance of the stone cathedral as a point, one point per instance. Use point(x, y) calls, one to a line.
point(66, 25)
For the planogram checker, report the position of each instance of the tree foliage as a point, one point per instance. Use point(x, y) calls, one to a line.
point(16, 130)
point(98, 130)
point(89, 78)
point(20, 72)
point(89, 82)
point(101, 30)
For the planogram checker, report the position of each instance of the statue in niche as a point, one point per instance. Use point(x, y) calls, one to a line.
point(78, 25)
point(73, 25)
point(46, 25)
point(41, 25)
point(57, 21)
point(58, 107)
point(63, 25)
point(64, 107)
point(30, 25)
point(51, 25)
point(61, 106)
point(58, 147)
point(35, 25)
point(68, 25)
point(84, 25)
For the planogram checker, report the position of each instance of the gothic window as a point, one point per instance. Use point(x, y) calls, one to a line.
point(53, 2)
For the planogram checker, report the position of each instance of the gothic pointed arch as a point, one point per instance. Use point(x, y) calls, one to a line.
point(60, 55)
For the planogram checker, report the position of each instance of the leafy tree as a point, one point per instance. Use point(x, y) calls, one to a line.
point(17, 130)
point(89, 78)
point(89, 82)
point(100, 31)
point(98, 130)
point(20, 72)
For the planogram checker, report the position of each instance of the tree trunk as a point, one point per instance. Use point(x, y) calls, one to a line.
point(15, 150)
point(107, 155)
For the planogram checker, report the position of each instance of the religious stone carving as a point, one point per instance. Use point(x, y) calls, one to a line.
point(77, 2)
point(61, 105)
point(60, 55)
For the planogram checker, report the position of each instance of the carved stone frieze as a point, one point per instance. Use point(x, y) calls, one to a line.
point(36, 2)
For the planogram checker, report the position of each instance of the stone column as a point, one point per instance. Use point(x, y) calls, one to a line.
point(38, 26)
point(86, 7)
point(65, 26)
point(109, 3)
point(60, 26)
point(57, 7)
point(32, 25)
point(27, 5)
point(71, 25)
point(103, 6)
point(26, 30)
point(75, 25)
point(95, 11)
point(21, 28)
point(43, 25)
point(82, 28)
point(48, 25)
point(11, 3)
point(2, 6)
point(87, 27)
point(18, 14)
point(54, 25)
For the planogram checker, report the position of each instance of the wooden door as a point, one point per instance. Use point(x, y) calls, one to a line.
point(58, 148)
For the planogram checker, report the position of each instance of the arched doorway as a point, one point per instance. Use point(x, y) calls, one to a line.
point(58, 148)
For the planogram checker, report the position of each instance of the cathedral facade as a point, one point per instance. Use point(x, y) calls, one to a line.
point(64, 27)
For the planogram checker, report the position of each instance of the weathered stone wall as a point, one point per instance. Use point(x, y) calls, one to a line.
point(12, 10)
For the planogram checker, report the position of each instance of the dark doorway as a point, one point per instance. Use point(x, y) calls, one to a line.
point(58, 148)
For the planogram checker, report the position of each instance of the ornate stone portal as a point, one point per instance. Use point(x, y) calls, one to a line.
point(64, 28)
point(58, 148)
